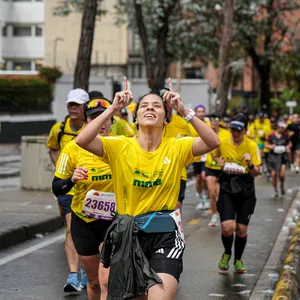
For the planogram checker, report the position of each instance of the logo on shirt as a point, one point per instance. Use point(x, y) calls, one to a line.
point(102, 177)
point(166, 161)
point(147, 184)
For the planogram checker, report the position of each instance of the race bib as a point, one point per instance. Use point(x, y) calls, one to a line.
point(177, 218)
point(99, 205)
point(203, 158)
point(260, 133)
point(233, 168)
point(279, 149)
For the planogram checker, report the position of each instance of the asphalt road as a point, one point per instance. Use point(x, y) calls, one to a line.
point(37, 270)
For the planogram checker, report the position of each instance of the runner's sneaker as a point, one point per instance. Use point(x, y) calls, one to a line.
point(297, 169)
point(206, 204)
point(72, 284)
point(276, 194)
point(239, 267)
point(224, 262)
point(84, 280)
point(213, 221)
point(200, 206)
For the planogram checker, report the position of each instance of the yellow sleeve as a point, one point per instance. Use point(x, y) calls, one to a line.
point(255, 155)
point(52, 141)
point(185, 150)
point(65, 165)
point(112, 147)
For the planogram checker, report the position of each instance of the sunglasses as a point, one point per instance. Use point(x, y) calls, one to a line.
point(98, 102)
point(214, 119)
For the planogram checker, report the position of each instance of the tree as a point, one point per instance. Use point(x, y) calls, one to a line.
point(90, 9)
point(224, 72)
point(170, 31)
point(263, 31)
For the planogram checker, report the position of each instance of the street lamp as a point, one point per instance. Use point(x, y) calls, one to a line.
point(55, 49)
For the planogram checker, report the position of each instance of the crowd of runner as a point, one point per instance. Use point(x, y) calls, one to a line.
point(120, 180)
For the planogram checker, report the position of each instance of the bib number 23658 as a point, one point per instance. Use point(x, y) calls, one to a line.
point(99, 205)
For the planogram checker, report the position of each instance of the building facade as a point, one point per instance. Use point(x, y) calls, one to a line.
point(22, 34)
point(109, 55)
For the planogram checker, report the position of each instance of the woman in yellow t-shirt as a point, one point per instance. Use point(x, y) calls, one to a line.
point(240, 160)
point(92, 204)
point(146, 174)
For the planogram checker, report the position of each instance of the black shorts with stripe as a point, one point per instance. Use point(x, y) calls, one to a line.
point(164, 251)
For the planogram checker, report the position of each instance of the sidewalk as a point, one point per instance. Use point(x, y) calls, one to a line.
point(25, 215)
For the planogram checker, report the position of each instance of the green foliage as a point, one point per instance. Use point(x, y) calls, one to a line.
point(50, 74)
point(67, 7)
point(21, 95)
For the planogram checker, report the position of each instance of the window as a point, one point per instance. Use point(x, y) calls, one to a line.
point(22, 31)
point(22, 65)
point(4, 30)
point(38, 31)
point(194, 73)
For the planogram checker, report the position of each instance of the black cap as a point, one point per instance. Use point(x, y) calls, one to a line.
point(95, 95)
point(239, 125)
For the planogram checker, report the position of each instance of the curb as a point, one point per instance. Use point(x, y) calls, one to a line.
point(23, 233)
point(288, 283)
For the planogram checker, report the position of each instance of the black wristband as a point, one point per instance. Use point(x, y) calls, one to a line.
point(251, 166)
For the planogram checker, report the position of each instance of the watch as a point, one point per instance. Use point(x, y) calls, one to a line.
point(190, 116)
point(251, 166)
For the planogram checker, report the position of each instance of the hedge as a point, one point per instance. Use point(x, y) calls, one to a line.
point(25, 94)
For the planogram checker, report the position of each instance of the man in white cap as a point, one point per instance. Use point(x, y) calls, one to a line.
point(61, 133)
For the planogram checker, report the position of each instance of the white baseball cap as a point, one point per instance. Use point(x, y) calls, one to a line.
point(78, 96)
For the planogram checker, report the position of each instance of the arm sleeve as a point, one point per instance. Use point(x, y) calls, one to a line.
point(61, 186)
point(66, 162)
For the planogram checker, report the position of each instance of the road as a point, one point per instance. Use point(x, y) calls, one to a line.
point(37, 269)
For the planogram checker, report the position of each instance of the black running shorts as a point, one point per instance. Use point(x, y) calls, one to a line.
point(164, 251)
point(198, 167)
point(182, 190)
point(212, 172)
point(237, 207)
point(87, 237)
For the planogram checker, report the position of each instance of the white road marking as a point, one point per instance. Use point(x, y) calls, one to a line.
point(191, 182)
point(31, 249)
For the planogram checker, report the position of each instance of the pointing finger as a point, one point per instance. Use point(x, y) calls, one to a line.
point(125, 84)
point(170, 85)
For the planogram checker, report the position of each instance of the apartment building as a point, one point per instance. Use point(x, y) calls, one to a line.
point(21, 34)
point(109, 55)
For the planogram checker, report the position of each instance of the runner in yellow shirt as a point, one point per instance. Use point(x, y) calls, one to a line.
point(213, 171)
point(60, 135)
point(240, 160)
point(92, 203)
point(146, 171)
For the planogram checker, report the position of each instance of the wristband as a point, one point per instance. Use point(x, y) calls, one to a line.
point(190, 116)
point(251, 166)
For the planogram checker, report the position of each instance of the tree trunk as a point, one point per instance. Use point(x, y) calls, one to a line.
point(83, 64)
point(224, 74)
point(265, 90)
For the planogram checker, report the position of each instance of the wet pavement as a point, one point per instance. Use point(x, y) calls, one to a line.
point(37, 269)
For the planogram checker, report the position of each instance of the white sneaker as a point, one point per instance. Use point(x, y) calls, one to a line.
point(206, 204)
point(200, 206)
point(297, 169)
point(214, 221)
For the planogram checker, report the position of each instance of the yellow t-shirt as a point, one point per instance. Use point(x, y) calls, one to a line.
point(232, 153)
point(68, 135)
point(268, 131)
point(121, 127)
point(194, 132)
point(210, 163)
point(146, 181)
point(99, 175)
point(251, 131)
point(260, 131)
point(178, 127)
